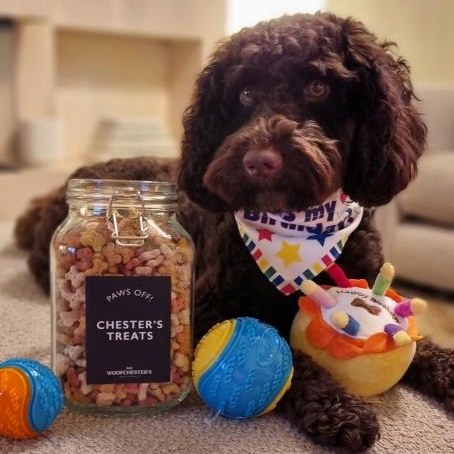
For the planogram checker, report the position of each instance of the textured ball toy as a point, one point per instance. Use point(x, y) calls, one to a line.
point(366, 338)
point(242, 368)
point(30, 398)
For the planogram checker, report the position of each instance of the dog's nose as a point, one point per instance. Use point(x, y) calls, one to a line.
point(262, 162)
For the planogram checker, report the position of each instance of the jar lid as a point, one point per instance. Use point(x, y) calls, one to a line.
point(101, 190)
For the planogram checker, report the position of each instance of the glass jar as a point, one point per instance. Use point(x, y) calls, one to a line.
point(122, 286)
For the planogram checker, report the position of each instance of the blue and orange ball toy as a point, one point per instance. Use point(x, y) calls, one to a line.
point(242, 368)
point(30, 398)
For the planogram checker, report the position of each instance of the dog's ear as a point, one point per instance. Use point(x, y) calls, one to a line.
point(203, 124)
point(389, 134)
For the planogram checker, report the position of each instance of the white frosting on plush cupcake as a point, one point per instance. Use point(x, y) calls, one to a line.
point(372, 312)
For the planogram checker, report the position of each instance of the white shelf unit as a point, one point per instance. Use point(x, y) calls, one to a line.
point(81, 61)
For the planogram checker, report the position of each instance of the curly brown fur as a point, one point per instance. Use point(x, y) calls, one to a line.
point(320, 407)
point(432, 372)
point(315, 103)
point(330, 107)
point(24, 231)
point(358, 128)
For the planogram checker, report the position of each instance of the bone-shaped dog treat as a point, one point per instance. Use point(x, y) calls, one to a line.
point(358, 302)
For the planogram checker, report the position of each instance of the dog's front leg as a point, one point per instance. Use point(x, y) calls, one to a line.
point(318, 406)
point(206, 314)
point(432, 372)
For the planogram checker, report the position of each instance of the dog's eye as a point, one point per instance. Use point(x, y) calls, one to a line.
point(247, 97)
point(316, 90)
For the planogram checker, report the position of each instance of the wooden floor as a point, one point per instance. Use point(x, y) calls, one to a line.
point(438, 321)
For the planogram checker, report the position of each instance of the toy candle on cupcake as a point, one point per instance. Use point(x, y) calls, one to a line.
point(364, 337)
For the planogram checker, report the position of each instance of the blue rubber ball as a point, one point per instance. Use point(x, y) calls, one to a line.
point(31, 398)
point(242, 367)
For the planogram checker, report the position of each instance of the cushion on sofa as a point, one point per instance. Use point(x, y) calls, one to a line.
point(431, 195)
point(437, 106)
point(423, 254)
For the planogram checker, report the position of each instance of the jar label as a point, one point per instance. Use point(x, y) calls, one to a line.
point(128, 329)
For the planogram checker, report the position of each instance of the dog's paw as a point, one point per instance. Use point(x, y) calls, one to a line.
point(432, 372)
point(322, 409)
point(353, 425)
point(341, 422)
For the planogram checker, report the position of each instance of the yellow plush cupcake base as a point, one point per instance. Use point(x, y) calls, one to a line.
point(365, 375)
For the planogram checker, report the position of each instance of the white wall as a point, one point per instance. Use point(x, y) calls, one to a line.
point(246, 13)
point(423, 30)
point(6, 101)
point(100, 74)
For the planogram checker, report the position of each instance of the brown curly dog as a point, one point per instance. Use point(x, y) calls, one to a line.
point(285, 114)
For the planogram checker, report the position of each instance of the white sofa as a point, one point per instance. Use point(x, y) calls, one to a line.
point(418, 226)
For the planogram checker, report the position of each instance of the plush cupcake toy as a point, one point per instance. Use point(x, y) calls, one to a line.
point(366, 338)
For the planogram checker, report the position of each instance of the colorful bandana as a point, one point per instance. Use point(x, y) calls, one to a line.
point(291, 247)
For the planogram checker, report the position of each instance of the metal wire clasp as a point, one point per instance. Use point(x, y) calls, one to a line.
point(112, 223)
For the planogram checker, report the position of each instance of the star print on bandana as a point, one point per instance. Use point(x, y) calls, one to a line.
point(291, 247)
point(265, 234)
point(289, 253)
point(317, 233)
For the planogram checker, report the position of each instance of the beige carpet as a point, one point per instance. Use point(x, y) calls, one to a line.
point(410, 423)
